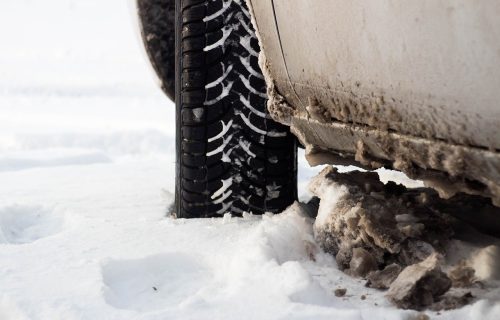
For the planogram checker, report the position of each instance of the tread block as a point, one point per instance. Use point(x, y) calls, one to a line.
point(188, 3)
point(194, 197)
point(214, 7)
point(195, 13)
point(193, 116)
point(193, 79)
point(213, 37)
point(193, 29)
point(200, 186)
point(215, 24)
point(193, 60)
point(191, 45)
point(194, 147)
point(193, 97)
point(215, 55)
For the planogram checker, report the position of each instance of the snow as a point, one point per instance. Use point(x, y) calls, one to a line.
point(86, 181)
point(21, 224)
point(330, 194)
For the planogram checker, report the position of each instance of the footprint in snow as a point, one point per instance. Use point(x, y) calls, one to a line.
point(152, 283)
point(26, 224)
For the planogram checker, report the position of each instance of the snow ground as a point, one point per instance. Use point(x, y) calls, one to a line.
point(86, 179)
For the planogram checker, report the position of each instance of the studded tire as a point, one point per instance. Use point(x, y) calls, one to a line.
point(231, 156)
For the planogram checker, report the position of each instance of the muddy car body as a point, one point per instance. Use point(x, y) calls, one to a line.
point(411, 86)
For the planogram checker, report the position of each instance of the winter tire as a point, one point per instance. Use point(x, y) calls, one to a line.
point(231, 156)
point(157, 22)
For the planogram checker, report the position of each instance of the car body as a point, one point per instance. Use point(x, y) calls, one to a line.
point(412, 86)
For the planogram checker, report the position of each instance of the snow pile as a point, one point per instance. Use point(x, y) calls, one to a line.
point(396, 238)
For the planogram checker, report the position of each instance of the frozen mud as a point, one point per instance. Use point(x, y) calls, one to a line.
point(408, 241)
point(419, 285)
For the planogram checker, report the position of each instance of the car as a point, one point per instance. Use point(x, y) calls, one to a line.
point(409, 86)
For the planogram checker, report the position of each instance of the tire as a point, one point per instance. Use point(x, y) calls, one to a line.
point(157, 23)
point(231, 156)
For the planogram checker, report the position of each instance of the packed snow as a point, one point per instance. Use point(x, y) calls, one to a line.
point(86, 181)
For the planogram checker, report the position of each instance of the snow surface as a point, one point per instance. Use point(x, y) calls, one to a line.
point(86, 180)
